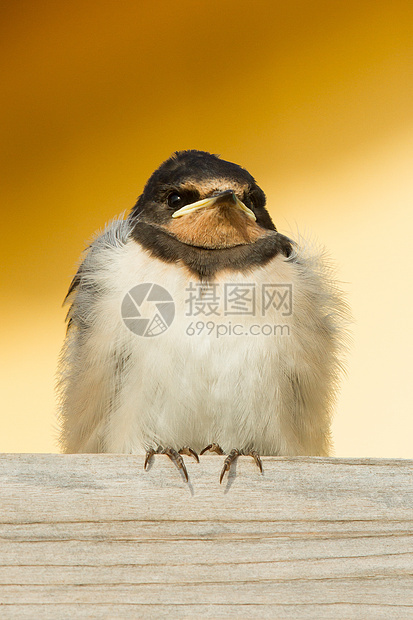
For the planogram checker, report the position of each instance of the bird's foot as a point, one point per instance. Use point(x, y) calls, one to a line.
point(174, 455)
point(233, 455)
point(213, 447)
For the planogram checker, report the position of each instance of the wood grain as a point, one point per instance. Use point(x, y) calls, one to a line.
point(95, 536)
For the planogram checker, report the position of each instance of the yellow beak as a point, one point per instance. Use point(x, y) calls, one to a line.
point(227, 197)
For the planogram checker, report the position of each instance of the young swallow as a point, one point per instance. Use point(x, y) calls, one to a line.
point(194, 325)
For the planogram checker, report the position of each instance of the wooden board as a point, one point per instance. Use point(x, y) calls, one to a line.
point(95, 536)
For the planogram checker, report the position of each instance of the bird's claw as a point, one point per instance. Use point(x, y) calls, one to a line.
point(256, 458)
point(177, 459)
point(148, 456)
point(233, 455)
point(189, 452)
point(174, 455)
point(212, 447)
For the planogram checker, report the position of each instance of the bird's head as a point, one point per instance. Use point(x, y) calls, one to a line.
point(204, 201)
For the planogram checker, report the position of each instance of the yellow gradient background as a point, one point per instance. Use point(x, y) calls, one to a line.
point(313, 97)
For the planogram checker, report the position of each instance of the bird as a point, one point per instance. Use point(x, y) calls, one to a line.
point(195, 326)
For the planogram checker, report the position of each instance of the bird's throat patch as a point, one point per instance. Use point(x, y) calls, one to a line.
point(219, 227)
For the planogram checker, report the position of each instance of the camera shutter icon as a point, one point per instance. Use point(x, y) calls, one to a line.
point(148, 310)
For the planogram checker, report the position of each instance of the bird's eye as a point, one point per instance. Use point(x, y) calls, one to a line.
point(175, 200)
